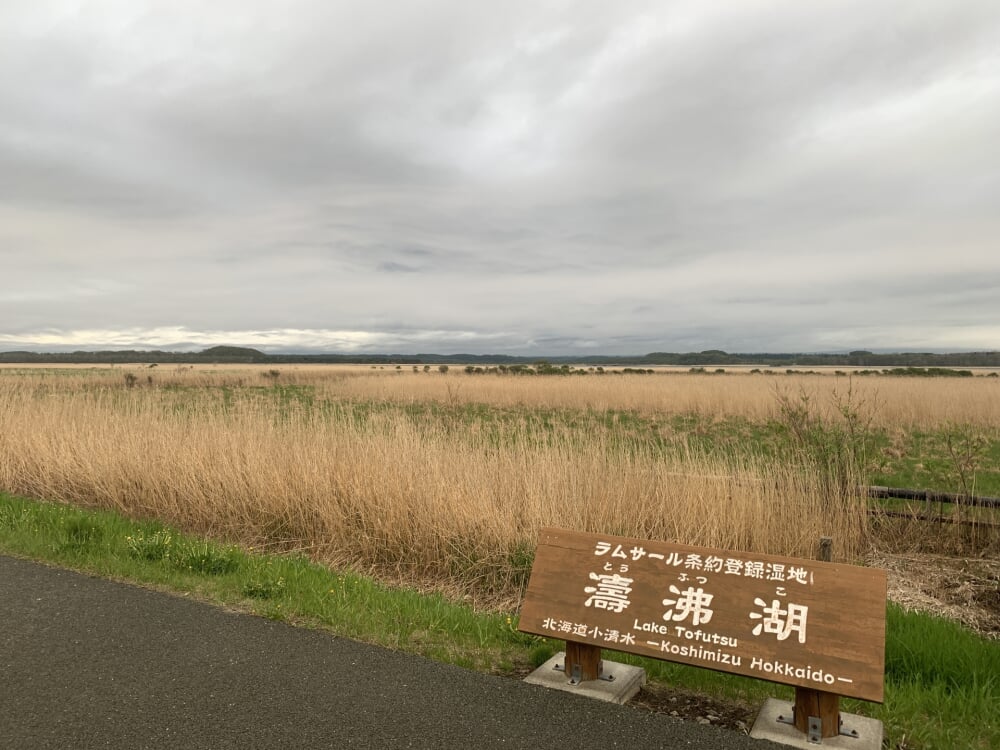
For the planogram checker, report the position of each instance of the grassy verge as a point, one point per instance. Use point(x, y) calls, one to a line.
point(274, 586)
point(942, 682)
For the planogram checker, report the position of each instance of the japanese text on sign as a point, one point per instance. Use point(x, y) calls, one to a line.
point(800, 622)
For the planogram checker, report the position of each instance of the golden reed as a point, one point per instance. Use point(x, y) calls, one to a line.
point(455, 505)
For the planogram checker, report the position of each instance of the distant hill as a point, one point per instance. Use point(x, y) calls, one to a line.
point(233, 353)
point(244, 355)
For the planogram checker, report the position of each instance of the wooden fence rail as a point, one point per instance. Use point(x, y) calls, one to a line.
point(902, 493)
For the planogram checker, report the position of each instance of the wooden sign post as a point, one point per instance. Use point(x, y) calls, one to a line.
point(816, 625)
point(812, 706)
point(583, 662)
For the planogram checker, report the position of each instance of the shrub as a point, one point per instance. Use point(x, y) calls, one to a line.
point(156, 546)
point(207, 558)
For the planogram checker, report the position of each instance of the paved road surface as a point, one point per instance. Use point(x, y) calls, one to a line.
point(88, 663)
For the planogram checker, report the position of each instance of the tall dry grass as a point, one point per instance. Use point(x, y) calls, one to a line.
point(448, 505)
point(899, 402)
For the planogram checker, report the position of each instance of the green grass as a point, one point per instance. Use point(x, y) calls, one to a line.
point(934, 461)
point(942, 681)
point(279, 587)
point(947, 460)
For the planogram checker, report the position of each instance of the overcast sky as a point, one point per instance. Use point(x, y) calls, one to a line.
point(514, 177)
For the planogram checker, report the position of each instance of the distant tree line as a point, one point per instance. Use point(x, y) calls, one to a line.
point(244, 355)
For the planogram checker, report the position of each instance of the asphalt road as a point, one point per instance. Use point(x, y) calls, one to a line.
point(89, 663)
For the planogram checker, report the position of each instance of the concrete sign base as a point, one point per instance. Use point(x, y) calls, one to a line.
point(618, 683)
point(768, 727)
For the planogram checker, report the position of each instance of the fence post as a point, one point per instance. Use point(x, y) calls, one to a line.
point(816, 712)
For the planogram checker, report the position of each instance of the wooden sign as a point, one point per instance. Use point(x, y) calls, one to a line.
point(807, 623)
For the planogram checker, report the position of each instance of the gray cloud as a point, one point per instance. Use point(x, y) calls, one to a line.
point(542, 177)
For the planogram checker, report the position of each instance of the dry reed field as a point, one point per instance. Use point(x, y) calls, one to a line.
point(901, 402)
point(328, 461)
point(907, 402)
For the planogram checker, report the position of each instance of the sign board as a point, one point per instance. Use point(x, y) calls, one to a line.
point(807, 623)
